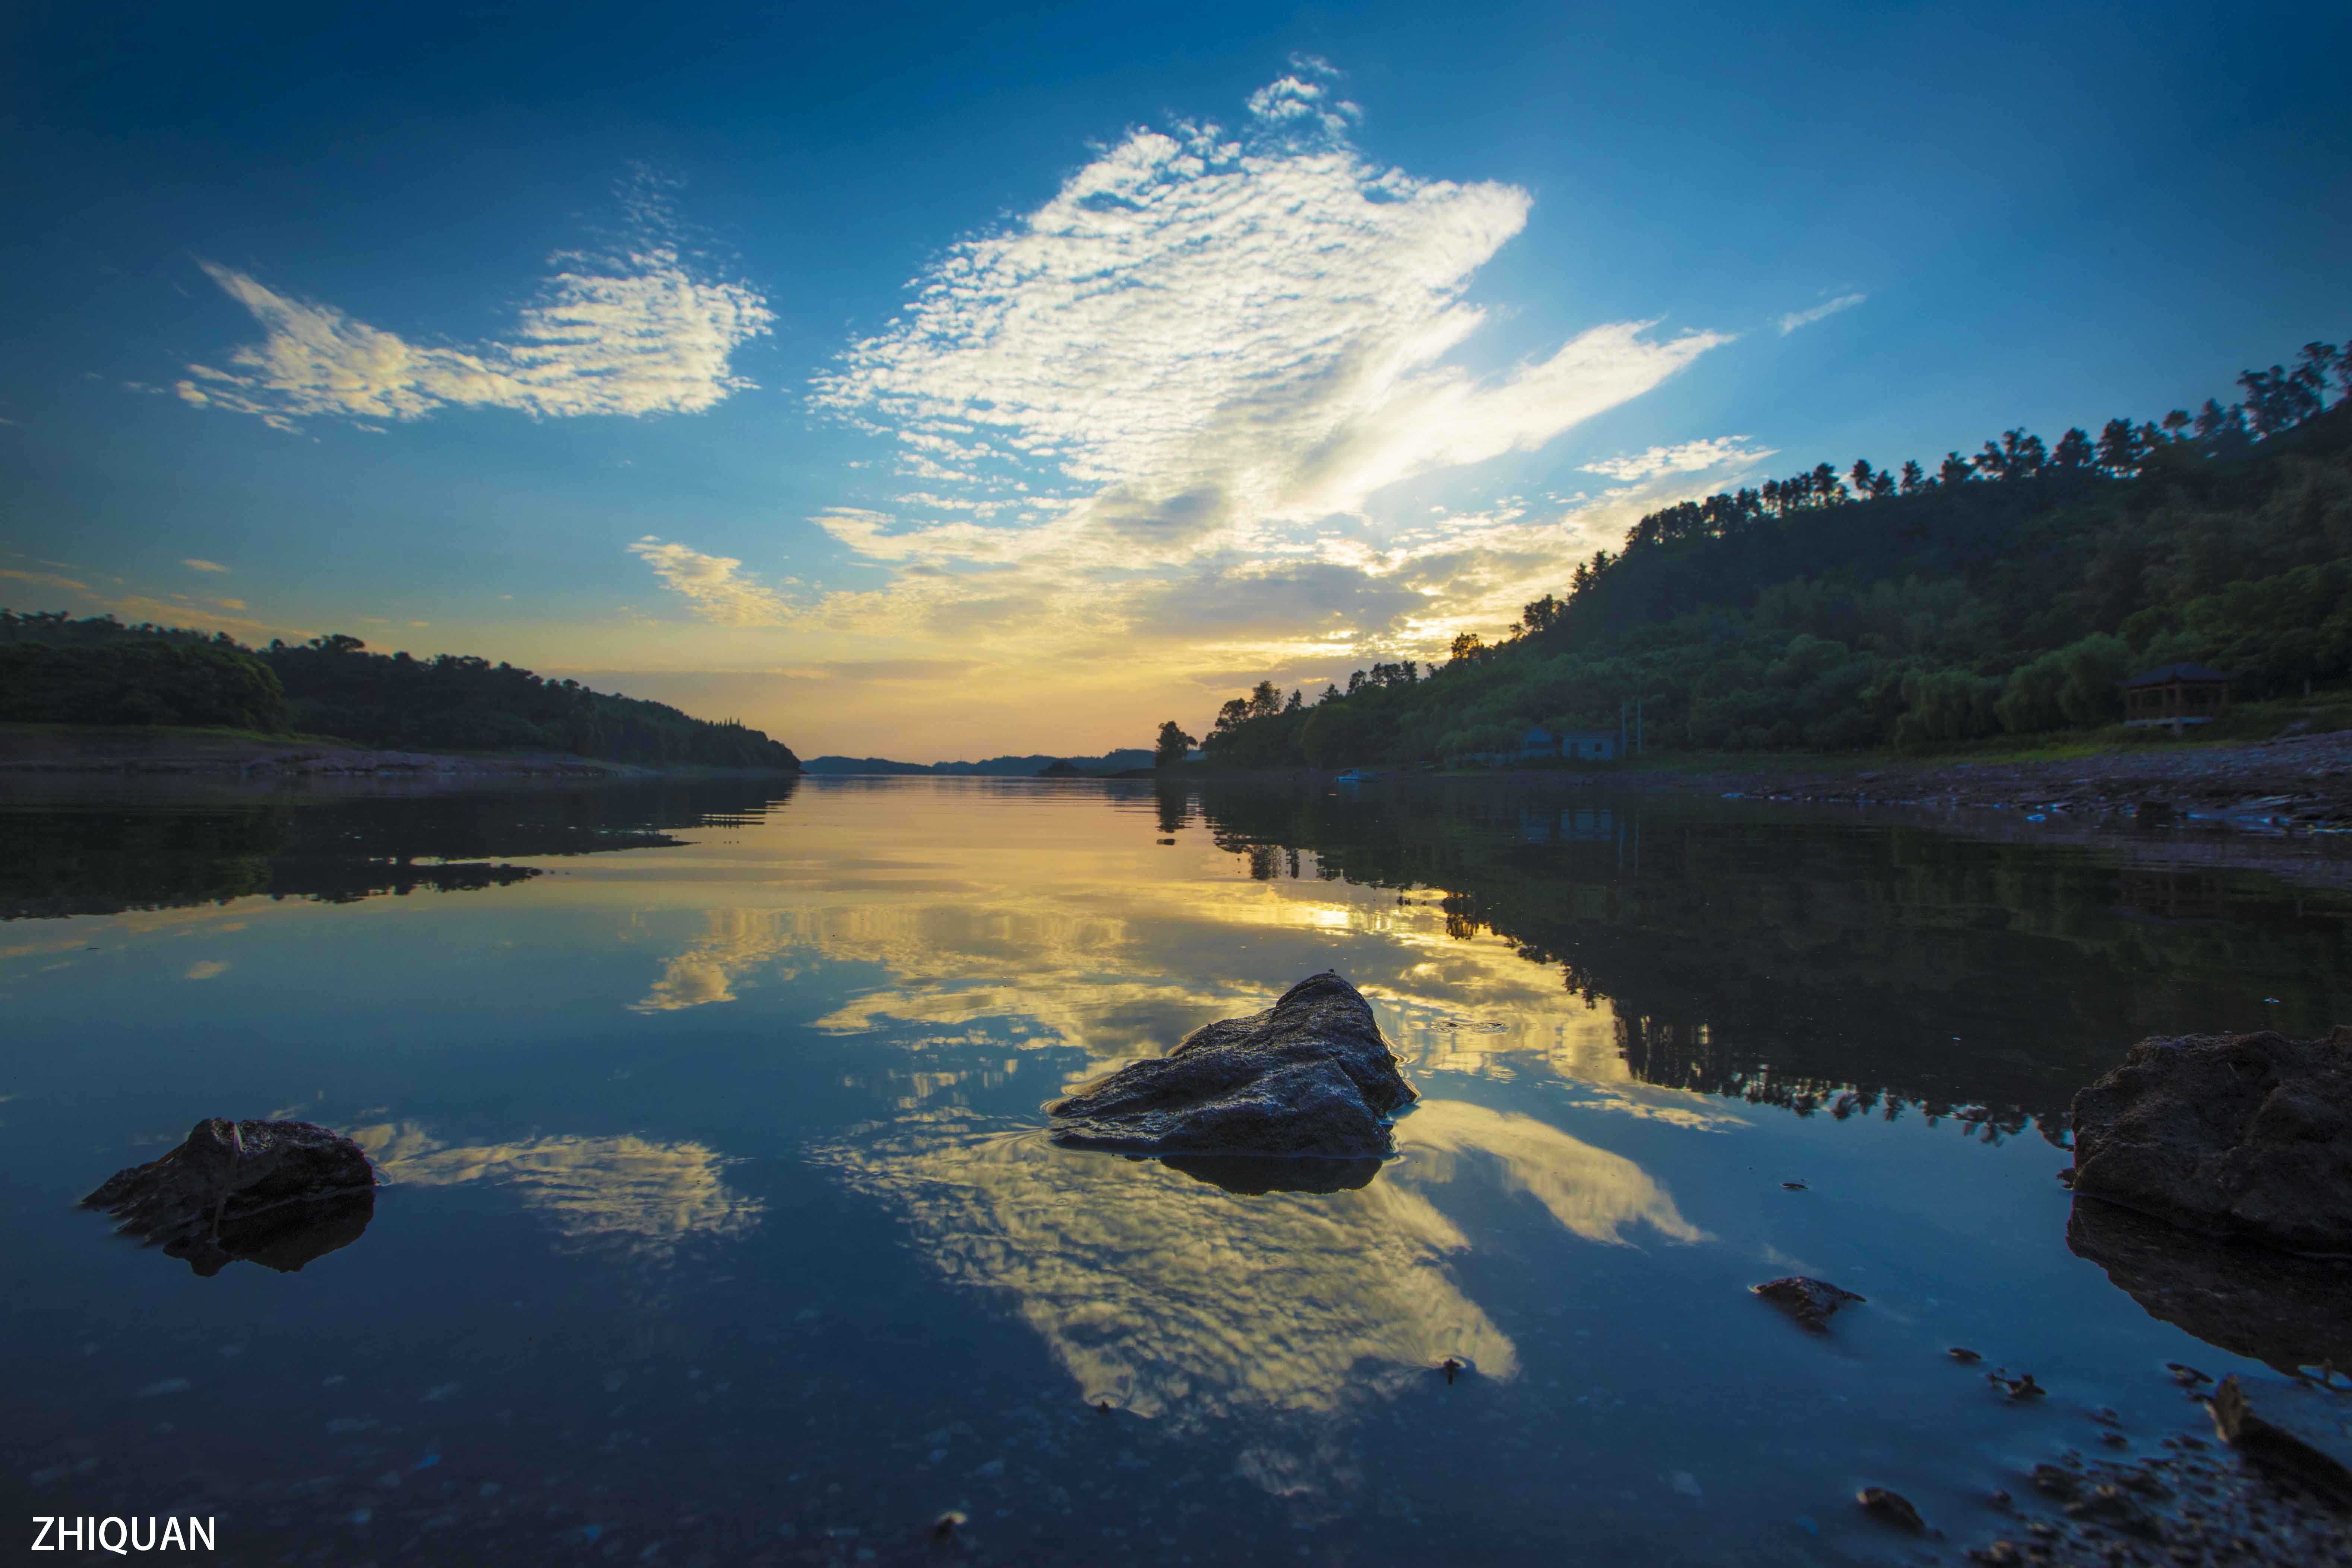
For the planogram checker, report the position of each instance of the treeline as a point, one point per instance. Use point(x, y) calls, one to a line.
point(2001, 593)
point(55, 668)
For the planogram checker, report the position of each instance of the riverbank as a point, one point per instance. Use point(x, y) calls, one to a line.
point(2298, 782)
point(49, 750)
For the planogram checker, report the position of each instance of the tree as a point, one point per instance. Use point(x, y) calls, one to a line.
point(1541, 615)
point(1468, 647)
point(2175, 424)
point(1915, 478)
point(1956, 470)
point(2020, 456)
point(2119, 451)
point(2214, 421)
point(1264, 700)
point(1233, 715)
point(2073, 452)
point(1330, 694)
point(1295, 703)
point(1171, 746)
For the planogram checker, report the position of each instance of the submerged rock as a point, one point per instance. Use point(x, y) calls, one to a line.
point(1812, 1302)
point(1310, 1077)
point(2251, 1300)
point(1892, 1507)
point(2242, 1135)
point(2303, 1428)
point(276, 1193)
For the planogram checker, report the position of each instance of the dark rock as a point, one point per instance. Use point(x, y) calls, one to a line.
point(2109, 1505)
point(2252, 1300)
point(276, 1193)
point(2301, 1427)
point(1812, 1302)
point(2244, 1135)
point(1893, 1508)
point(2021, 1386)
point(1309, 1077)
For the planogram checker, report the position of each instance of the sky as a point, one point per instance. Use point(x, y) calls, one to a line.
point(937, 382)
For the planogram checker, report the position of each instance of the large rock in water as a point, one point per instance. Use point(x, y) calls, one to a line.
point(2242, 1135)
point(1309, 1078)
point(278, 1192)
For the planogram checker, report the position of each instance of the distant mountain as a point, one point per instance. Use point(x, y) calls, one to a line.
point(992, 767)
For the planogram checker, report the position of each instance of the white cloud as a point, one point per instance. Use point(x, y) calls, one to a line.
point(203, 566)
point(1795, 319)
point(713, 584)
point(640, 331)
point(1164, 404)
point(1212, 331)
point(1689, 457)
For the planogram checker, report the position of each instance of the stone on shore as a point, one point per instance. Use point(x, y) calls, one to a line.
point(1309, 1078)
point(2241, 1135)
point(2301, 1427)
point(278, 1193)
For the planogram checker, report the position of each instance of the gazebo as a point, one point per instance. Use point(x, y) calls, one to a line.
point(2176, 694)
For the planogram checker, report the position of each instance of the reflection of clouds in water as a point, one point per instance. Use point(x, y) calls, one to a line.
point(1050, 960)
point(1593, 1192)
point(1173, 1299)
point(643, 1197)
point(735, 943)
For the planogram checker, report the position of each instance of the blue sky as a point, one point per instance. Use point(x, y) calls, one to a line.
point(933, 382)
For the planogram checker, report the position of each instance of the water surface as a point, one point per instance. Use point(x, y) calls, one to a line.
point(720, 1227)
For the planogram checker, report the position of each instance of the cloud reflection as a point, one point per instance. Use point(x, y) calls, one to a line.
point(1176, 1300)
point(641, 1197)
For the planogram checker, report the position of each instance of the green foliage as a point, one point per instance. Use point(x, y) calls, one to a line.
point(2071, 687)
point(137, 681)
point(1172, 746)
point(2003, 594)
point(57, 669)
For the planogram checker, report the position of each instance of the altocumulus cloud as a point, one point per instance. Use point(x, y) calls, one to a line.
point(637, 330)
point(1209, 329)
point(1152, 394)
point(1164, 405)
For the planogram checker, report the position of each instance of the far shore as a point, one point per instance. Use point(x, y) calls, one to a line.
point(55, 752)
point(2291, 783)
point(2295, 781)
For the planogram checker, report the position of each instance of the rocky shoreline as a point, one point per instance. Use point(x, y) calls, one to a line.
point(35, 754)
point(2296, 783)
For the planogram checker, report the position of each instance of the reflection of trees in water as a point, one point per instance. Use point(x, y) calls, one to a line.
point(1786, 958)
point(1176, 1300)
point(145, 851)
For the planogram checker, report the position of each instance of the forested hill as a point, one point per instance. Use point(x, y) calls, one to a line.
point(2004, 594)
point(57, 669)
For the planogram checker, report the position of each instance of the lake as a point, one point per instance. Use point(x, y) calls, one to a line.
point(719, 1224)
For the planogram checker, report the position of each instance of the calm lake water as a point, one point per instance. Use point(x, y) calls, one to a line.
point(721, 1227)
